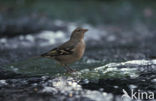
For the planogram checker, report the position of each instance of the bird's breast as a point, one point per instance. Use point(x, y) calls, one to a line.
point(80, 49)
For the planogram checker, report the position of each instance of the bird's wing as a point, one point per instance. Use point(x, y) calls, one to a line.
point(62, 50)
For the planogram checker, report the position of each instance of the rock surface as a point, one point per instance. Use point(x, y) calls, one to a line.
point(120, 55)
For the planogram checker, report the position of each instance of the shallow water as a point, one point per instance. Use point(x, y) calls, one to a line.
point(120, 54)
point(105, 70)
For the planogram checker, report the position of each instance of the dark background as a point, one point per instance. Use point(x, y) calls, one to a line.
point(34, 15)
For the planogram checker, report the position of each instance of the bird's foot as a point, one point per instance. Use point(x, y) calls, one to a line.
point(70, 70)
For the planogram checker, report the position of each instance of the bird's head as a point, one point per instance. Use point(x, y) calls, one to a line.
point(78, 33)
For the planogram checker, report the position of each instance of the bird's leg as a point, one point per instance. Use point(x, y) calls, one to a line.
point(67, 69)
point(71, 70)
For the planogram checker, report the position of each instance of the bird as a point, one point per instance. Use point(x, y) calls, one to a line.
point(70, 51)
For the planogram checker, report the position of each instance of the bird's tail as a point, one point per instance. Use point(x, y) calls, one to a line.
point(43, 55)
point(40, 56)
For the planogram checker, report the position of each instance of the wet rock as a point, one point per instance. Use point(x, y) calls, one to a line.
point(120, 55)
point(85, 84)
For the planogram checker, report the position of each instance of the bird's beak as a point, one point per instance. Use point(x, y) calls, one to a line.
point(85, 30)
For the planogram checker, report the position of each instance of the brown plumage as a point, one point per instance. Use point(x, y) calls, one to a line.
point(71, 50)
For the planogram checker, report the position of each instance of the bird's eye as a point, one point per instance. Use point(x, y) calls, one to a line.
point(78, 30)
